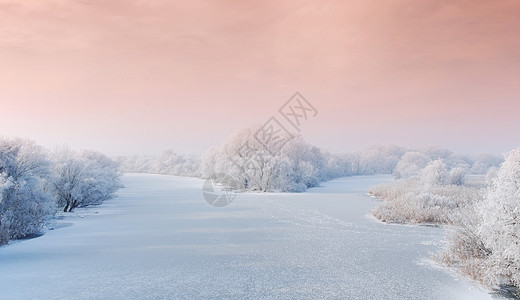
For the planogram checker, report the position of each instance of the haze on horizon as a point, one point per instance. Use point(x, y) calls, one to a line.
point(136, 77)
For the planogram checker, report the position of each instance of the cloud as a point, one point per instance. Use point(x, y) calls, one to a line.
point(397, 60)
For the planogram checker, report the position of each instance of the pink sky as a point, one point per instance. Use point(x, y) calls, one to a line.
point(139, 76)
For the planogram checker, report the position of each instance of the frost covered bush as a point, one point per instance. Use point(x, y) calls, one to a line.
point(410, 201)
point(433, 194)
point(466, 250)
point(26, 203)
point(83, 178)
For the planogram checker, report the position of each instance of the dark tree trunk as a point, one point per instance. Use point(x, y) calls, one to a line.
point(73, 205)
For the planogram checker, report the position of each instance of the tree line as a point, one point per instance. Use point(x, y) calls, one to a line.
point(246, 163)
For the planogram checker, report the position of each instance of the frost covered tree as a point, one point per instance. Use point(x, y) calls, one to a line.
point(435, 173)
point(136, 164)
point(483, 162)
point(379, 159)
point(500, 226)
point(245, 162)
point(303, 166)
point(457, 176)
point(168, 162)
point(339, 165)
point(83, 178)
point(411, 164)
point(437, 153)
point(26, 203)
point(173, 163)
point(491, 174)
point(250, 163)
point(209, 162)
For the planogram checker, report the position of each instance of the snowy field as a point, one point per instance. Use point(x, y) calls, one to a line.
point(160, 239)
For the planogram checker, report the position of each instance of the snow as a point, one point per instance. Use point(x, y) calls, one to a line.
point(160, 239)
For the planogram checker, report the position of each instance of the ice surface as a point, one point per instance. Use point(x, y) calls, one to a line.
point(160, 239)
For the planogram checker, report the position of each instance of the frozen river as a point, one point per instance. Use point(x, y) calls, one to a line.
point(160, 239)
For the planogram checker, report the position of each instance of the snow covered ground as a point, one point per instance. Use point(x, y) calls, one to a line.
point(160, 239)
